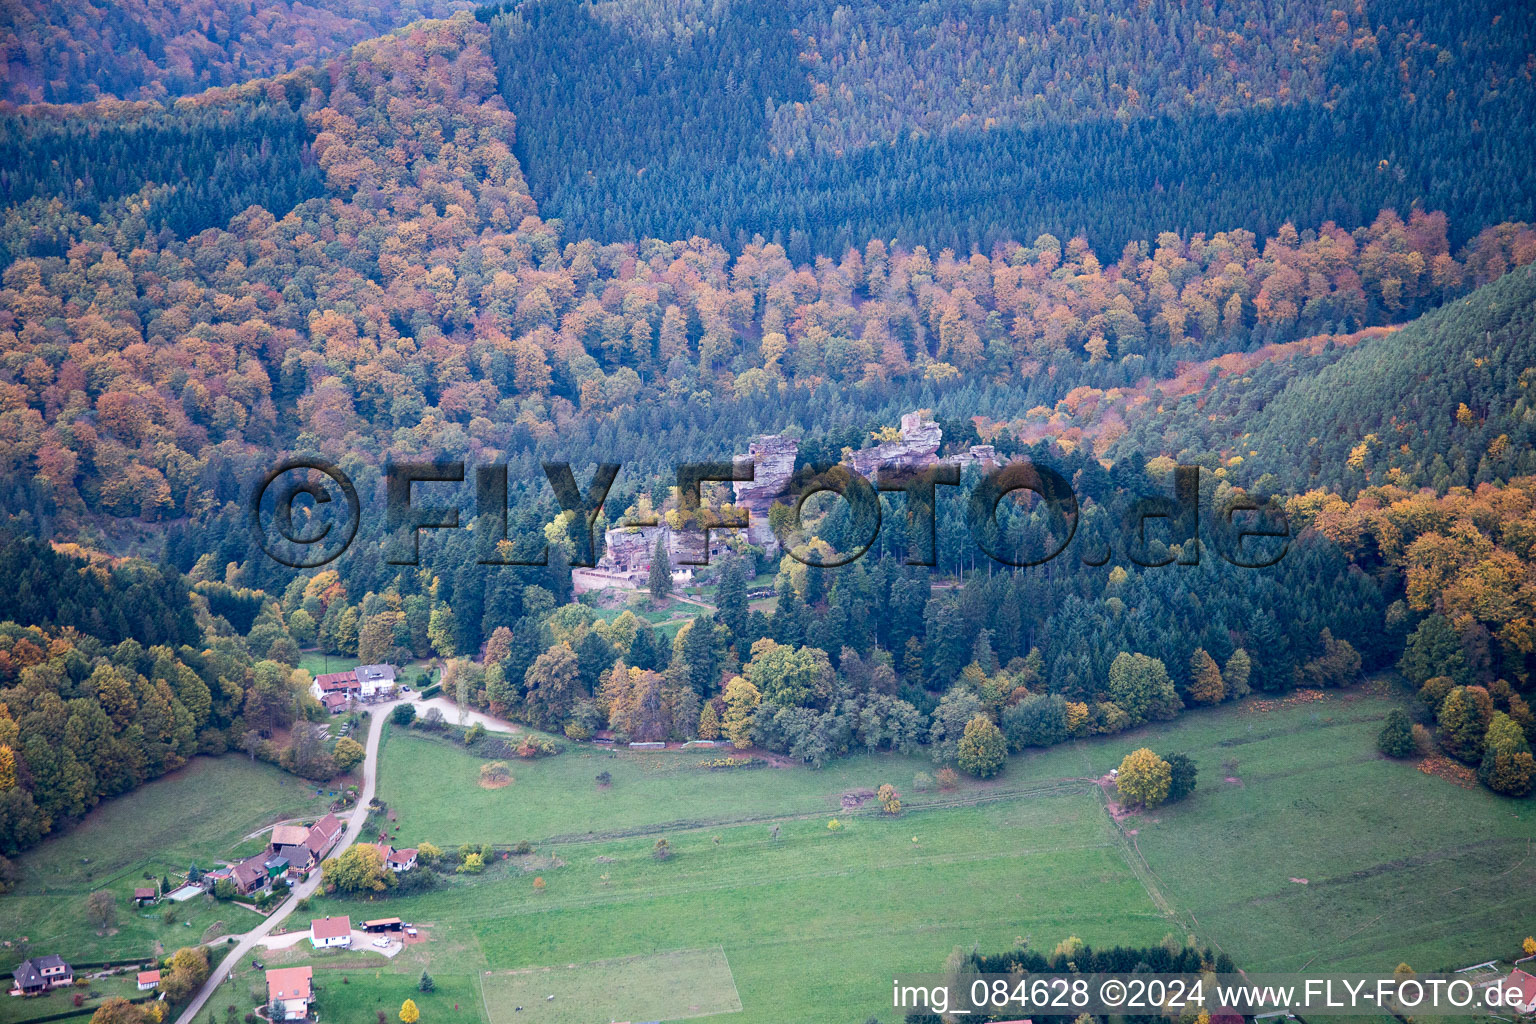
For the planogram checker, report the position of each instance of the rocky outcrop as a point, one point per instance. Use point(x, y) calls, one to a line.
point(629, 549)
point(917, 449)
point(773, 462)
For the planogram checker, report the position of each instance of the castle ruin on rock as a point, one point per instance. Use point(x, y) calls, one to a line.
point(629, 549)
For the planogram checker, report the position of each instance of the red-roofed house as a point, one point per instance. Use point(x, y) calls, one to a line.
point(1519, 991)
point(148, 980)
point(330, 931)
point(289, 989)
point(398, 861)
point(323, 835)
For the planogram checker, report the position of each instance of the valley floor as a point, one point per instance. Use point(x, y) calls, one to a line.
point(1300, 849)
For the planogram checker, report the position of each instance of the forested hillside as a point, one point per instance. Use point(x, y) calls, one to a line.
point(1106, 238)
point(202, 166)
point(821, 125)
point(135, 49)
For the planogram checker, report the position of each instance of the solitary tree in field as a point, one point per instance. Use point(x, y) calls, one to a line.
point(1144, 778)
point(983, 750)
point(1529, 945)
point(425, 984)
point(101, 909)
point(1396, 736)
point(408, 1012)
point(660, 580)
point(890, 800)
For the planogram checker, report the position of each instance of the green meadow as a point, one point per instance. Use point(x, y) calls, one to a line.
point(1300, 848)
point(200, 814)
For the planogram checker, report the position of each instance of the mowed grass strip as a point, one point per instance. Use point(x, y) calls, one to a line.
point(675, 985)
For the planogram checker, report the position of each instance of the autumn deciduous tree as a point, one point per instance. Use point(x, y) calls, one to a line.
point(1464, 719)
point(1239, 667)
point(1205, 683)
point(983, 749)
point(551, 683)
point(1140, 685)
point(348, 753)
point(890, 800)
point(118, 1010)
point(709, 722)
point(185, 973)
point(359, 869)
point(409, 1014)
point(741, 700)
point(1144, 778)
point(1507, 766)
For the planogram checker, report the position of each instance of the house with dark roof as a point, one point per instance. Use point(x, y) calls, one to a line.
point(376, 681)
point(141, 896)
point(41, 973)
point(250, 874)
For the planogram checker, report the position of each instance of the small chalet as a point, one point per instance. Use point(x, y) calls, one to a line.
point(144, 896)
point(40, 974)
point(330, 931)
point(335, 702)
point(398, 861)
point(290, 991)
point(148, 980)
point(1519, 991)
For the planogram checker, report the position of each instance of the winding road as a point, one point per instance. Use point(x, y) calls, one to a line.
point(251, 939)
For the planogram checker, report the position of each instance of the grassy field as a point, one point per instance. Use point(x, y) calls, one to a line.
point(432, 785)
point(19, 1011)
point(196, 815)
point(316, 663)
point(811, 923)
point(662, 986)
point(1398, 865)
